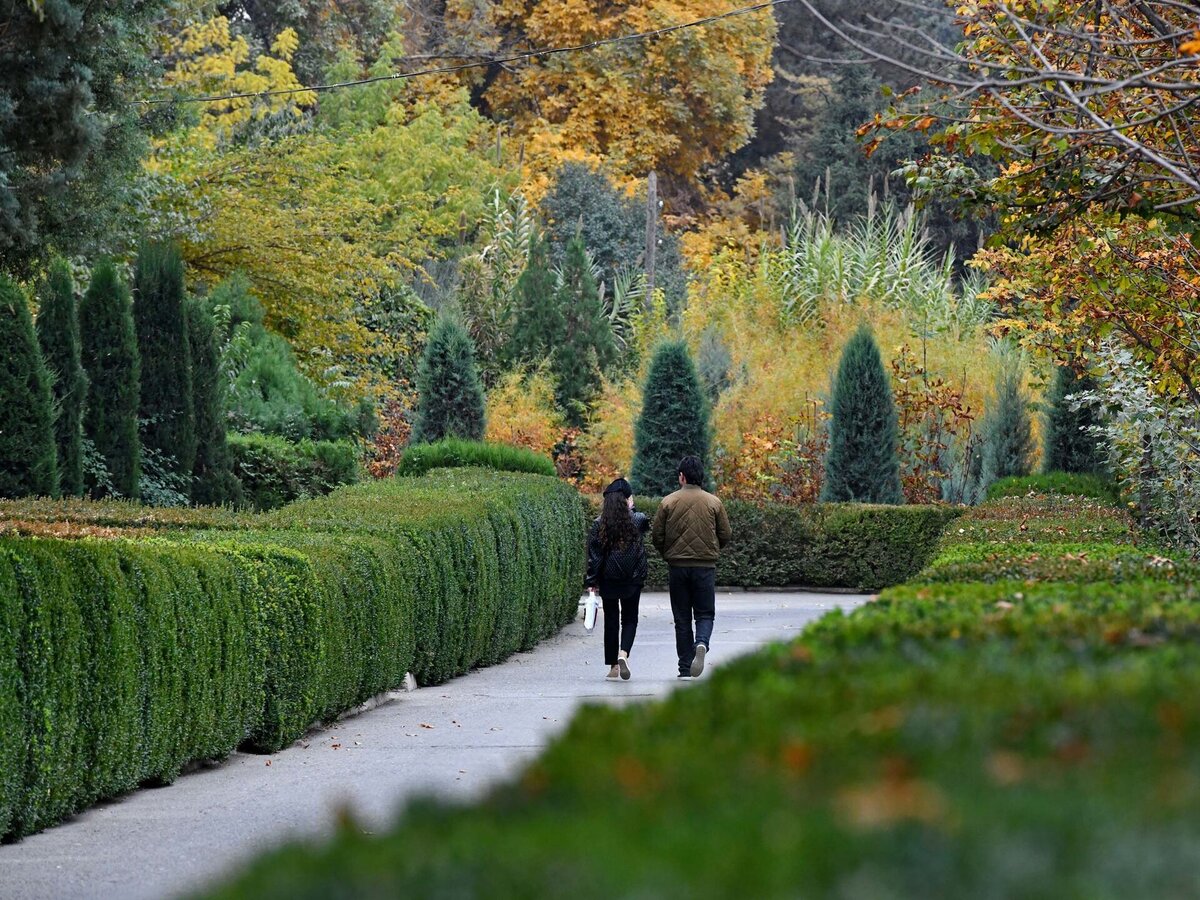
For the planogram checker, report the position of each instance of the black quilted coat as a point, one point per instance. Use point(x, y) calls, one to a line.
point(620, 570)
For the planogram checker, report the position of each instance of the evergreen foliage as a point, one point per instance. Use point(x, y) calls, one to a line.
point(451, 400)
point(27, 454)
point(536, 319)
point(587, 348)
point(213, 482)
point(674, 422)
point(167, 412)
point(1069, 445)
point(582, 201)
point(108, 348)
point(71, 139)
point(862, 464)
point(1007, 431)
point(58, 334)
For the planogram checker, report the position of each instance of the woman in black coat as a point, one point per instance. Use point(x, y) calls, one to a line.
point(617, 568)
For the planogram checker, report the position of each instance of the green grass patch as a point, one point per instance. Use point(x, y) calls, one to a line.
point(1094, 486)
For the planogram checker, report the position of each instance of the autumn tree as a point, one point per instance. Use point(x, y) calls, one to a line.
point(58, 335)
point(27, 455)
point(108, 348)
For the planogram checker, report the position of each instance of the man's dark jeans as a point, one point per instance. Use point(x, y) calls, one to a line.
point(693, 595)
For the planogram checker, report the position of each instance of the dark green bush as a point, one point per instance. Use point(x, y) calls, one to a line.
point(274, 471)
point(28, 457)
point(820, 545)
point(454, 453)
point(450, 393)
point(213, 482)
point(123, 660)
point(674, 422)
point(1068, 444)
point(58, 335)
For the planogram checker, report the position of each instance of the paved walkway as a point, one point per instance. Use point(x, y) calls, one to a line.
point(453, 740)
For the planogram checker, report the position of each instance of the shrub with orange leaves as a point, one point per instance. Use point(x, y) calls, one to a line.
point(521, 412)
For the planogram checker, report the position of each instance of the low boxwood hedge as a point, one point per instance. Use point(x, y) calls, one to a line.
point(1033, 737)
point(454, 453)
point(122, 660)
point(820, 545)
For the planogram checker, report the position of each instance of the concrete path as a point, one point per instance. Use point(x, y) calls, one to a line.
point(453, 740)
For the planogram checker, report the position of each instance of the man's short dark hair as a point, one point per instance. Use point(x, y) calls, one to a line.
point(692, 470)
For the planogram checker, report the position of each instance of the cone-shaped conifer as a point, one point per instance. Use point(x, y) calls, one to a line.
point(108, 347)
point(58, 335)
point(587, 348)
point(168, 418)
point(451, 401)
point(1007, 430)
point(27, 455)
point(1069, 445)
point(674, 422)
point(213, 479)
point(861, 464)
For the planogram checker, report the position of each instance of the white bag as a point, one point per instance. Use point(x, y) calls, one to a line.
point(589, 610)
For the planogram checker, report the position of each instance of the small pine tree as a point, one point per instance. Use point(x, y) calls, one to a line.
point(58, 334)
point(451, 401)
point(167, 411)
point(674, 422)
point(536, 320)
point(108, 348)
point(861, 464)
point(28, 464)
point(587, 348)
point(213, 479)
point(1007, 431)
point(1069, 445)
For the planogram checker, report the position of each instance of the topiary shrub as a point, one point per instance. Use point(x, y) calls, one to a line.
point(1007, 430)
point(110, 357)
point(451, 402)
point(862, 464)
point(213, 482)
point(160, 318)
point(586, 349)
point(273, 471)
point(674, 422)
point(58, 335)
point(28, 460)
point(1069, 445)
point(453, 453)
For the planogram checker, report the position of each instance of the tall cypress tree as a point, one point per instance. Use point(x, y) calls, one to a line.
point(674, 422)
point(28, 462)
point(587, 348)
point(213, 479)
point(1069, 445)
point(58, 334)
point(536, 324)
point(167, 411)
point(108, 347)
point(451, 401)
point(862, 465)
point(1007, 430)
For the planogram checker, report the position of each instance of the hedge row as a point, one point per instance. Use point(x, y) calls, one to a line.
point(820, 545)
point(274, 471)
point(454, 453)
point(1031, 737)
point(122, 660)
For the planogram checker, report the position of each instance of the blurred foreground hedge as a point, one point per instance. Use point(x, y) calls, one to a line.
point(126, 655)
point(1032, 730)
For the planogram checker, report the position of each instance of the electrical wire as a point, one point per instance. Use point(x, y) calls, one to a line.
point(441, 70)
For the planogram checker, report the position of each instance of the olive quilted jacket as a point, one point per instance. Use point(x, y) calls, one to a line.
point(690, 528)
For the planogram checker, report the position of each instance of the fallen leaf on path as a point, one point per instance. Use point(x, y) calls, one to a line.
point(426, 725)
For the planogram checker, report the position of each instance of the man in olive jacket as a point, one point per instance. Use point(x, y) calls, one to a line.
point(689, 530)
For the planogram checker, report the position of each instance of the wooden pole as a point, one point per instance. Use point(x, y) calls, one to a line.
point(651, 234)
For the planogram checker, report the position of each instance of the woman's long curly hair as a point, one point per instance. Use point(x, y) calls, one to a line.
point(616, 523)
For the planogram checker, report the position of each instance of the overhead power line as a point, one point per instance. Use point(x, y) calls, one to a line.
point(482, 63)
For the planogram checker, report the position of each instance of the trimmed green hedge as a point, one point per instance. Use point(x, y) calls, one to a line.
point(1062, 483)
point(123, 660)
point(820, 545)
point(1031, 738)
point(274, 471)
point(456, 453)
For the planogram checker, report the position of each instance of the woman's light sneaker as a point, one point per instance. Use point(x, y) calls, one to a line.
point(614, 674)
point(623, 667)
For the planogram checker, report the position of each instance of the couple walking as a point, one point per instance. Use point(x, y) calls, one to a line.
point(689, 530)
